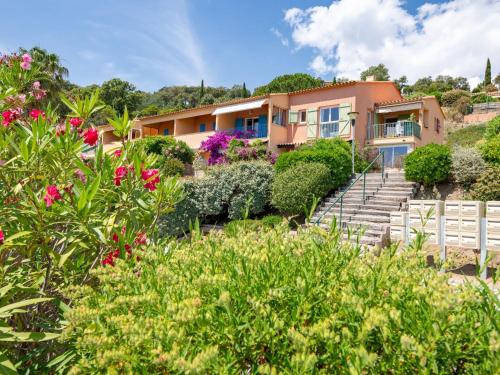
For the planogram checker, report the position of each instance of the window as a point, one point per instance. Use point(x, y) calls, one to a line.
point(252, 124)
point(329, 122)
point(278, 116)
point(165, 131)
point(437, 125)
point(202, 128)
point(302, 116)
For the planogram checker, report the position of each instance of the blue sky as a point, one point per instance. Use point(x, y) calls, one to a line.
point(154, 43)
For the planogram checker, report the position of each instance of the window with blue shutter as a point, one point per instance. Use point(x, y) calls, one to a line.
point(238, 124)
point(213, 125)
point(262, 130)
point(202, 128)
point(165, 131)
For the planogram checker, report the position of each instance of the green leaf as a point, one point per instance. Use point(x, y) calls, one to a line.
point(27, 336)
point(91, 192)
point(27, 302)
point(64, 257)
point(6, 366)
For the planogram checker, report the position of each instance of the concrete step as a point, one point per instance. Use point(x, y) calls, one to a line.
point(354, 211)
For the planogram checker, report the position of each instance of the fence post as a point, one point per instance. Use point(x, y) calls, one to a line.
point(484, 250)
point(442, 243)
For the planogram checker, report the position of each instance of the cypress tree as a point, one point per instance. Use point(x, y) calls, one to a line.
point(202, 90)
point(487, 73)
point(245, 93)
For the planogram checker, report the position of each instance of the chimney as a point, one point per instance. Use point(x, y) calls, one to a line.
point(370, 79)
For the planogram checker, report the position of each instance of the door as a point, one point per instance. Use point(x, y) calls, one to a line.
point(394, 155)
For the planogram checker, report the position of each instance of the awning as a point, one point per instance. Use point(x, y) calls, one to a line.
point(240, 107)
point(399, 107)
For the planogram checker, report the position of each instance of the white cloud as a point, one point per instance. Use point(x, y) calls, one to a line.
point(283, 40)
point(453, 38)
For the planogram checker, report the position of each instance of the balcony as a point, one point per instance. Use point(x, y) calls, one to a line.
point(329, 130)
point(394, 130)
point(260, 132)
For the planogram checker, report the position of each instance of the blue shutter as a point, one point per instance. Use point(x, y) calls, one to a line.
point(165, 131)
point(238, 124)
point(213, 125)
point(262, 131)
point(202, 128)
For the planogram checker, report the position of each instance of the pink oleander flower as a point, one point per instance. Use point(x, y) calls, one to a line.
point(91, 136)
point(8, 117)
point(51, 195)
point(152, 178)
point(60, 130)
point(81, 176)
point(120, 174)
point(36, 85)
point(117, 153)
point(75, 122)
point(25, 65)
point(26, 58)
point(36, 113)
point(2, 237)
point(140, 238)
point(38, 93)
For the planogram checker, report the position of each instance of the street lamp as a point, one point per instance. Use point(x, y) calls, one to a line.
point(352, 117)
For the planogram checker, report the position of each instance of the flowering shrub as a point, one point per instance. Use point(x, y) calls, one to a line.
point(61, 208)
point(266, 302)
point(166, 146)
point(242, 149)
point(216, 146)
point(467, 165)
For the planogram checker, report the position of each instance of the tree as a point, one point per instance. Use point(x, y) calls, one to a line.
point(202, 90)
point(487, 73)
point(401, 83)
point(289, 83)
point(120, 94)
point(497, 81)
point(380, 72)
point(245, 93)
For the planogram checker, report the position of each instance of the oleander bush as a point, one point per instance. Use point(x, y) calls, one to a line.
point(267, 302)
point(467, 165)
point(487, 186)
point(429, 164)
point(294, 190)
point(66, 208)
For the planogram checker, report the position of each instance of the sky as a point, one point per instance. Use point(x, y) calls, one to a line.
point(157, 43)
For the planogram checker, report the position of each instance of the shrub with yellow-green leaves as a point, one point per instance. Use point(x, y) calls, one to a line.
point(269, 302)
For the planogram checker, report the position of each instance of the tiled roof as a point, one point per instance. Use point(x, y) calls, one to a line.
point(403, 101)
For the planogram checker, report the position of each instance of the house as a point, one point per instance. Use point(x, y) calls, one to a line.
point(386, 120)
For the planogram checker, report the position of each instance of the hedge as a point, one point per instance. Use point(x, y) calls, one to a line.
point(428, 164)
point(166, 146)
point(265, 302)
point(294, 189)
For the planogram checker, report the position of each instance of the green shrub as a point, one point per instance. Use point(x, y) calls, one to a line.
point(492, 128)
point(491, 150)
point(226, 191)
point(166, 146)
point(467, 165)
point(338, 161)
point(466, 137)
point(272, 221)
point(482, 98)
point(487, 187)
point(428, 164)
point(453, 97)
point(267, 302)
point(236, 227)
point(295, 188)
point(172, 167)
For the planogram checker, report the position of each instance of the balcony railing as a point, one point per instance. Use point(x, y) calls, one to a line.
point(329, 130)
point(260, 132)
point(394, 130)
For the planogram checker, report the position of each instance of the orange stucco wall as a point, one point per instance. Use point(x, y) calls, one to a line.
point(226, 121)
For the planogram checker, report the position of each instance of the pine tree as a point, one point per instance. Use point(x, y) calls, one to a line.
point(202, 90)
point(487, 73)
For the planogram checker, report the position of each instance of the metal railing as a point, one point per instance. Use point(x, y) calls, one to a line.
point(332, 129)
point(341, 196)
point(394, 129)
point(260, 132)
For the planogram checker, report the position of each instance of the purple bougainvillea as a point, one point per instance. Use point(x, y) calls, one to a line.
point(216, 145)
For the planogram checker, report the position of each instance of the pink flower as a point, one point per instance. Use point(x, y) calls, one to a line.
point(151, 177)
point(25, 65)
point(90, 136)
point(81, 176)
point(60, 130)
point(2, 237)
point(38, 92)
point(75, 122)
point(120, 174)
point(140, 238)
point(8, 117)
point(117, 153)
point(26, 58)
point(51, 195)
point(35, 113)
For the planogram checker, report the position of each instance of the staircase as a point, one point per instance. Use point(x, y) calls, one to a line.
point(382, 195)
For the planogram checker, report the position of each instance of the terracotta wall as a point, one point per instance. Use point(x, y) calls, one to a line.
point(227, 120)
point(428, 133)
point(192, 124)
point(149, 130)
